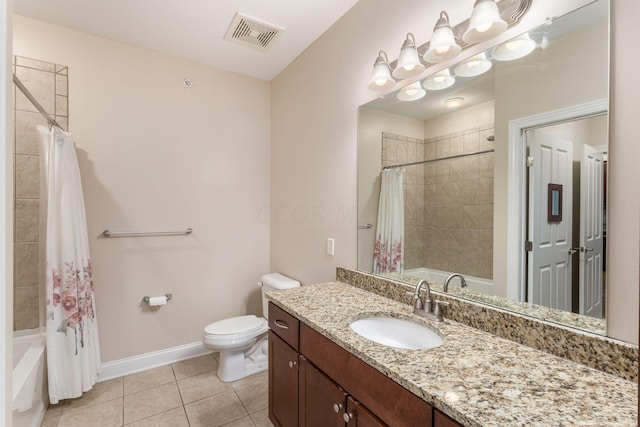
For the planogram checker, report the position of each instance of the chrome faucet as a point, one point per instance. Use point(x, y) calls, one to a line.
point(463, 283)
point(430, 309)
point(418, 303)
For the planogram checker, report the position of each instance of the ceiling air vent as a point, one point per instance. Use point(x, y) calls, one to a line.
point(252, 32)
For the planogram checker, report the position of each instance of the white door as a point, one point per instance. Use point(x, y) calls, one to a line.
point(549, 261)
point(591, 231)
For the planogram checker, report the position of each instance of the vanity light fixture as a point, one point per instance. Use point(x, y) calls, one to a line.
point(489, 19)
point(442, 46)
point(485, 22)
point(474, 66)
point(381, 79)
point(516, 48)
point(412, 92)
point(409, 64)
point(454, 102)
point(440, 80)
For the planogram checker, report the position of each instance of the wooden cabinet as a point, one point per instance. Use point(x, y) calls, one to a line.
point(283, 383)
point(313, 382)
point(323, 403)
point(442, 420)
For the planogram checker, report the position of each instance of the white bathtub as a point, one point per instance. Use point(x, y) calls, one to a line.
point(474, 283)
point(30, 398)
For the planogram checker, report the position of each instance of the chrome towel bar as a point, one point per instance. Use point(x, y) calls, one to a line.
point(108, 233)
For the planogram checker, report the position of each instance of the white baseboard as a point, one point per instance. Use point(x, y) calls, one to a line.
point(143, 362)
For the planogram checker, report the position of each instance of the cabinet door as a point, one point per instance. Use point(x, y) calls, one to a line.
point(442, 420)
point(359, 416)
point(283, 383)
point(322, 402)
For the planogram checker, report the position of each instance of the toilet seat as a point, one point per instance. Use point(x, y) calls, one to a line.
point(235, 325)
point(234, 332)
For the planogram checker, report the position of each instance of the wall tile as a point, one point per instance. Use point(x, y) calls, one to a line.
point(430, 195)
point(442, 172)
point(457, 240)
point(485, 166)
point(471, 143)
point(484, 143)
point(26, 132)
point(26, 306)
point(430, 151)
point(27, 177)
point(34, 63)
point(26, 264)
point(456, 146)
point(456, 216)
point(442, 149)
point(443, 194)
point(470, 192)
point(62, 106)
point(485, 264)
point(27, 220)
point(62, 85)
point(485, 192)
point(430, 173)
point(41, 84)
point(471, 168)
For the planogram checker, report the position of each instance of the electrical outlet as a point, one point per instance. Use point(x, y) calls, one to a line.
point(330, 246)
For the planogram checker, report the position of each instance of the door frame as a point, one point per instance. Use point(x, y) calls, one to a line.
point(517, 181)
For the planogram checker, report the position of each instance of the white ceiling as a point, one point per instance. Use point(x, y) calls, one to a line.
point(194, 29)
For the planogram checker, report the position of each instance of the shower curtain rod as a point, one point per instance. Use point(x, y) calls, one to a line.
point(35, 103)
point(437, 160)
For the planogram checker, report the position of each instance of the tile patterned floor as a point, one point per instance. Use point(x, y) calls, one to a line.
point(184, 394)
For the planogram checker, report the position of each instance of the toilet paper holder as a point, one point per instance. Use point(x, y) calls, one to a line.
point(147, 298)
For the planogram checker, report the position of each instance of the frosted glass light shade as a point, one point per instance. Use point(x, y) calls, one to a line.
point(413, 92)
point(440, 80)
point(515, 48)
point(381, 79)
point(474, 66)
point(443, 45)
point(409, 64)
point(485, 22)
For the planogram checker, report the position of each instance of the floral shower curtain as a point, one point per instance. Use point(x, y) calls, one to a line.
point(388, 255)
point(73, 353)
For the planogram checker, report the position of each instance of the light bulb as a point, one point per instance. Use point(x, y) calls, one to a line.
point(380, 82)
point(484, 27)
point(443, 49)
point(514, 44)
point(409, 67)
point(439, 79)
point(411, 92)
point(473, 64)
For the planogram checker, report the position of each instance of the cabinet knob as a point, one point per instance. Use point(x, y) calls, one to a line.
point(292, 363)
point(337, 407)
point(347, 416)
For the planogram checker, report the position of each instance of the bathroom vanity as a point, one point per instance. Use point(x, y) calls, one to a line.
point(323, 373)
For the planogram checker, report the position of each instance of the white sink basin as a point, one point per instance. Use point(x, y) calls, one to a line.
point(396, 333)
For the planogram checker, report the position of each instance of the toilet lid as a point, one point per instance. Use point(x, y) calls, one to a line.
point(235, 325)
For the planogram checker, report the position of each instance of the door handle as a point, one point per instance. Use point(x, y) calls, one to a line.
point(280, 324)
point(586, 249)
point(573, 251)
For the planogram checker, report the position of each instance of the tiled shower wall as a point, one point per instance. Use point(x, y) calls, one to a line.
point(48, 83)
point(448, 203)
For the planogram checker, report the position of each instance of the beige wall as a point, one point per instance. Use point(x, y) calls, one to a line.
point(623, 231)
point(318, 96)
point(155, 155)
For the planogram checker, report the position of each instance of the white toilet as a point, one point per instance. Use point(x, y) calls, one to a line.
point(242, 340)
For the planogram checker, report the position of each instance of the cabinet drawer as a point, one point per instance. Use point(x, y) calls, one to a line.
point(365, 383)
point(284, 325)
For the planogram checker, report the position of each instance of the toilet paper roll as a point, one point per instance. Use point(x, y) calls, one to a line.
point(153, 301)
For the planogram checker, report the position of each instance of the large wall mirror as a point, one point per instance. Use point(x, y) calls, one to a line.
point(495, 168)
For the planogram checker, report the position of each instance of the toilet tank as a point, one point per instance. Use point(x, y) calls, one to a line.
point(273, 281)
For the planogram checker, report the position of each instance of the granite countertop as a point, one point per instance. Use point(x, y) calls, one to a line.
point(474, 377)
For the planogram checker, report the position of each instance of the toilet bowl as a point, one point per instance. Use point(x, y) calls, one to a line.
point(242, 340)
